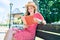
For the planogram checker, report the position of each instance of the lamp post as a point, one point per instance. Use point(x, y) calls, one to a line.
point(10, 14)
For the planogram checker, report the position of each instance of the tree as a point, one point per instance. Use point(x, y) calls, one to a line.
point(50, 9)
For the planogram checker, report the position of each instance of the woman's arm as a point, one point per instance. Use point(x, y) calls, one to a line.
point(24, 22)
point(39, 18)
point(40, 21)
point(23, 19)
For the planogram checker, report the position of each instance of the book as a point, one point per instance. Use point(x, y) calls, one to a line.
point(29, 20)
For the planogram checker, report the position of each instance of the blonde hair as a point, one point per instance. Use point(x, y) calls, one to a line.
point(30, 4)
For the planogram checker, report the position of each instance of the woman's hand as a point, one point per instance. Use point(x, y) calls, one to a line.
point(43, 22)
point(25, 26)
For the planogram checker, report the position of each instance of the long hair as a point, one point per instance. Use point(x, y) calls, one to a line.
point(30, 4)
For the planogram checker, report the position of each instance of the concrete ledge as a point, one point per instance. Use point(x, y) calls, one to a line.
point(38, 38)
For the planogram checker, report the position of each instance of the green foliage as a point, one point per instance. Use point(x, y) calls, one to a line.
point(50, 9)
point(4, 24)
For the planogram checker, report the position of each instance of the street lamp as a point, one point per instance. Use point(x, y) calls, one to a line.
point(10, 14)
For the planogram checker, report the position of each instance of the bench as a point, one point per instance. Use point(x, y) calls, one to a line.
point(48, 32)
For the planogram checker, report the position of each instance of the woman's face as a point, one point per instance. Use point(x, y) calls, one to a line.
point(30, 9)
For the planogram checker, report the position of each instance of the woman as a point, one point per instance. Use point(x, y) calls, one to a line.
point(30, 20)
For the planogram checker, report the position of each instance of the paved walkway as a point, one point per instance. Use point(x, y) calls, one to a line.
point(2, 36)
point(3, 29)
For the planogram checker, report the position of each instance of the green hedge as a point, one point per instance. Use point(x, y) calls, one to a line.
point(4, 24)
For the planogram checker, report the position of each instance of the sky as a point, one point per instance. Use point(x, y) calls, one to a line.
point(5, 7)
